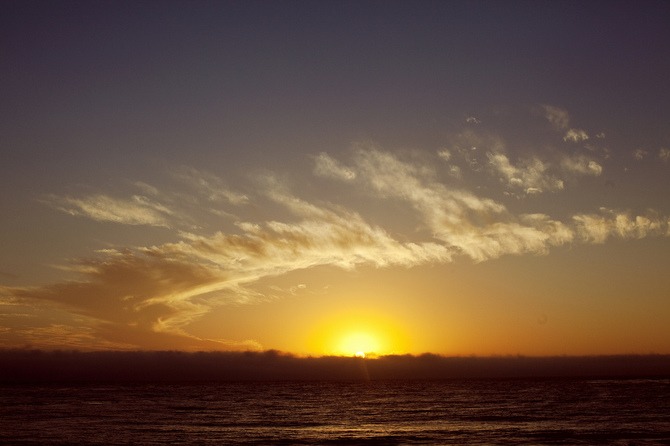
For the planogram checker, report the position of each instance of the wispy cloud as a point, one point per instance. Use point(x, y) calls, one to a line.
point(664, 154)
point(597, 228)
point(148, 295)
point(575, 135)
point(176, 207)
point(560, 120)
point(480, 228)
point(444, 154)
point(531, 175)
point(210, 186)
point(137, 210)
point(557, 116)
point(582, 165)
point(325, 166)
point(640, 154)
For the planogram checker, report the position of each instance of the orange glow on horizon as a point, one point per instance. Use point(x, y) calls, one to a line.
point(361, 335)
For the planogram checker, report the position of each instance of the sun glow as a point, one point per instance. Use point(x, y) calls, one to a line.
point(359, 335)
point(359, 342)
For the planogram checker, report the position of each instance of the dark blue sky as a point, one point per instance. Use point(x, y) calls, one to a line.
point(152, 77)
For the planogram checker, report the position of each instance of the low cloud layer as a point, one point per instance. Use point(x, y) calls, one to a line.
point(34, 366)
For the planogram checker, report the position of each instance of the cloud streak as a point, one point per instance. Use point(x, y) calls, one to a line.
point(480, 228)
point(137, 210)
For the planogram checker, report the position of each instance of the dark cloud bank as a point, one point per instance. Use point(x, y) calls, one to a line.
point(33, 366)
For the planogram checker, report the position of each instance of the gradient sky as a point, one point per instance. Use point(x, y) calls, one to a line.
point(462, 178)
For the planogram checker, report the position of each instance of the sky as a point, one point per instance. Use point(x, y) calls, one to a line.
point(326, 178)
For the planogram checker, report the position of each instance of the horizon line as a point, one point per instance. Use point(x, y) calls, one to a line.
point(22, 365)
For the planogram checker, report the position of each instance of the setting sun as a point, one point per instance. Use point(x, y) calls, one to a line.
point(358, 335)
point(356, 343)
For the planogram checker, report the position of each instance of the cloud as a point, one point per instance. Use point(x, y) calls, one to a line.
point(210, 186)
point(581, 164)
point(531, 174)
point(560, 120)
point(575, 135)
point(162, 208)
point(478, 227)
point(143, 292)
point(558, 117)
point(35, 366)
point(322, 237)
point(60, 336)
point(639, 154)
point(444, 154)
point(147, 296)
point(664, 154)
point(138, 210)
point(455, 172)
point(534, 176)
point(325, 166)
point(597, 228)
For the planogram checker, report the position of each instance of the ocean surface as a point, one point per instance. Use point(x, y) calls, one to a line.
point(559, 411)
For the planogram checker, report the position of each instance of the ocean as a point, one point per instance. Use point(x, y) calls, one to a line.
point(526, 411)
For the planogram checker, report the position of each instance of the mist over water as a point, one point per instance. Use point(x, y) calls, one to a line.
point(557, 411)
point(36, 366)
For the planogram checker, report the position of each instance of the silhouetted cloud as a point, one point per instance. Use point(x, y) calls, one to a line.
point(35, 366)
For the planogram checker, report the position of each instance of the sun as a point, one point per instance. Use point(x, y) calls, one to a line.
point(358, 342)
point(358, 334)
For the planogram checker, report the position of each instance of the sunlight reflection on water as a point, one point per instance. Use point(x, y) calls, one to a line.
point(396, 412)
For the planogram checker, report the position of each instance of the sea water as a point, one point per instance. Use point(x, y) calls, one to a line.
point(565, 411)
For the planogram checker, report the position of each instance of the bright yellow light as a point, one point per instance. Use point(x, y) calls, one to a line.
point(358, 335)
point(358, 342)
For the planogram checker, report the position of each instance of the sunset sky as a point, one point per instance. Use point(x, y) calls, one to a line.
point(461, 178)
